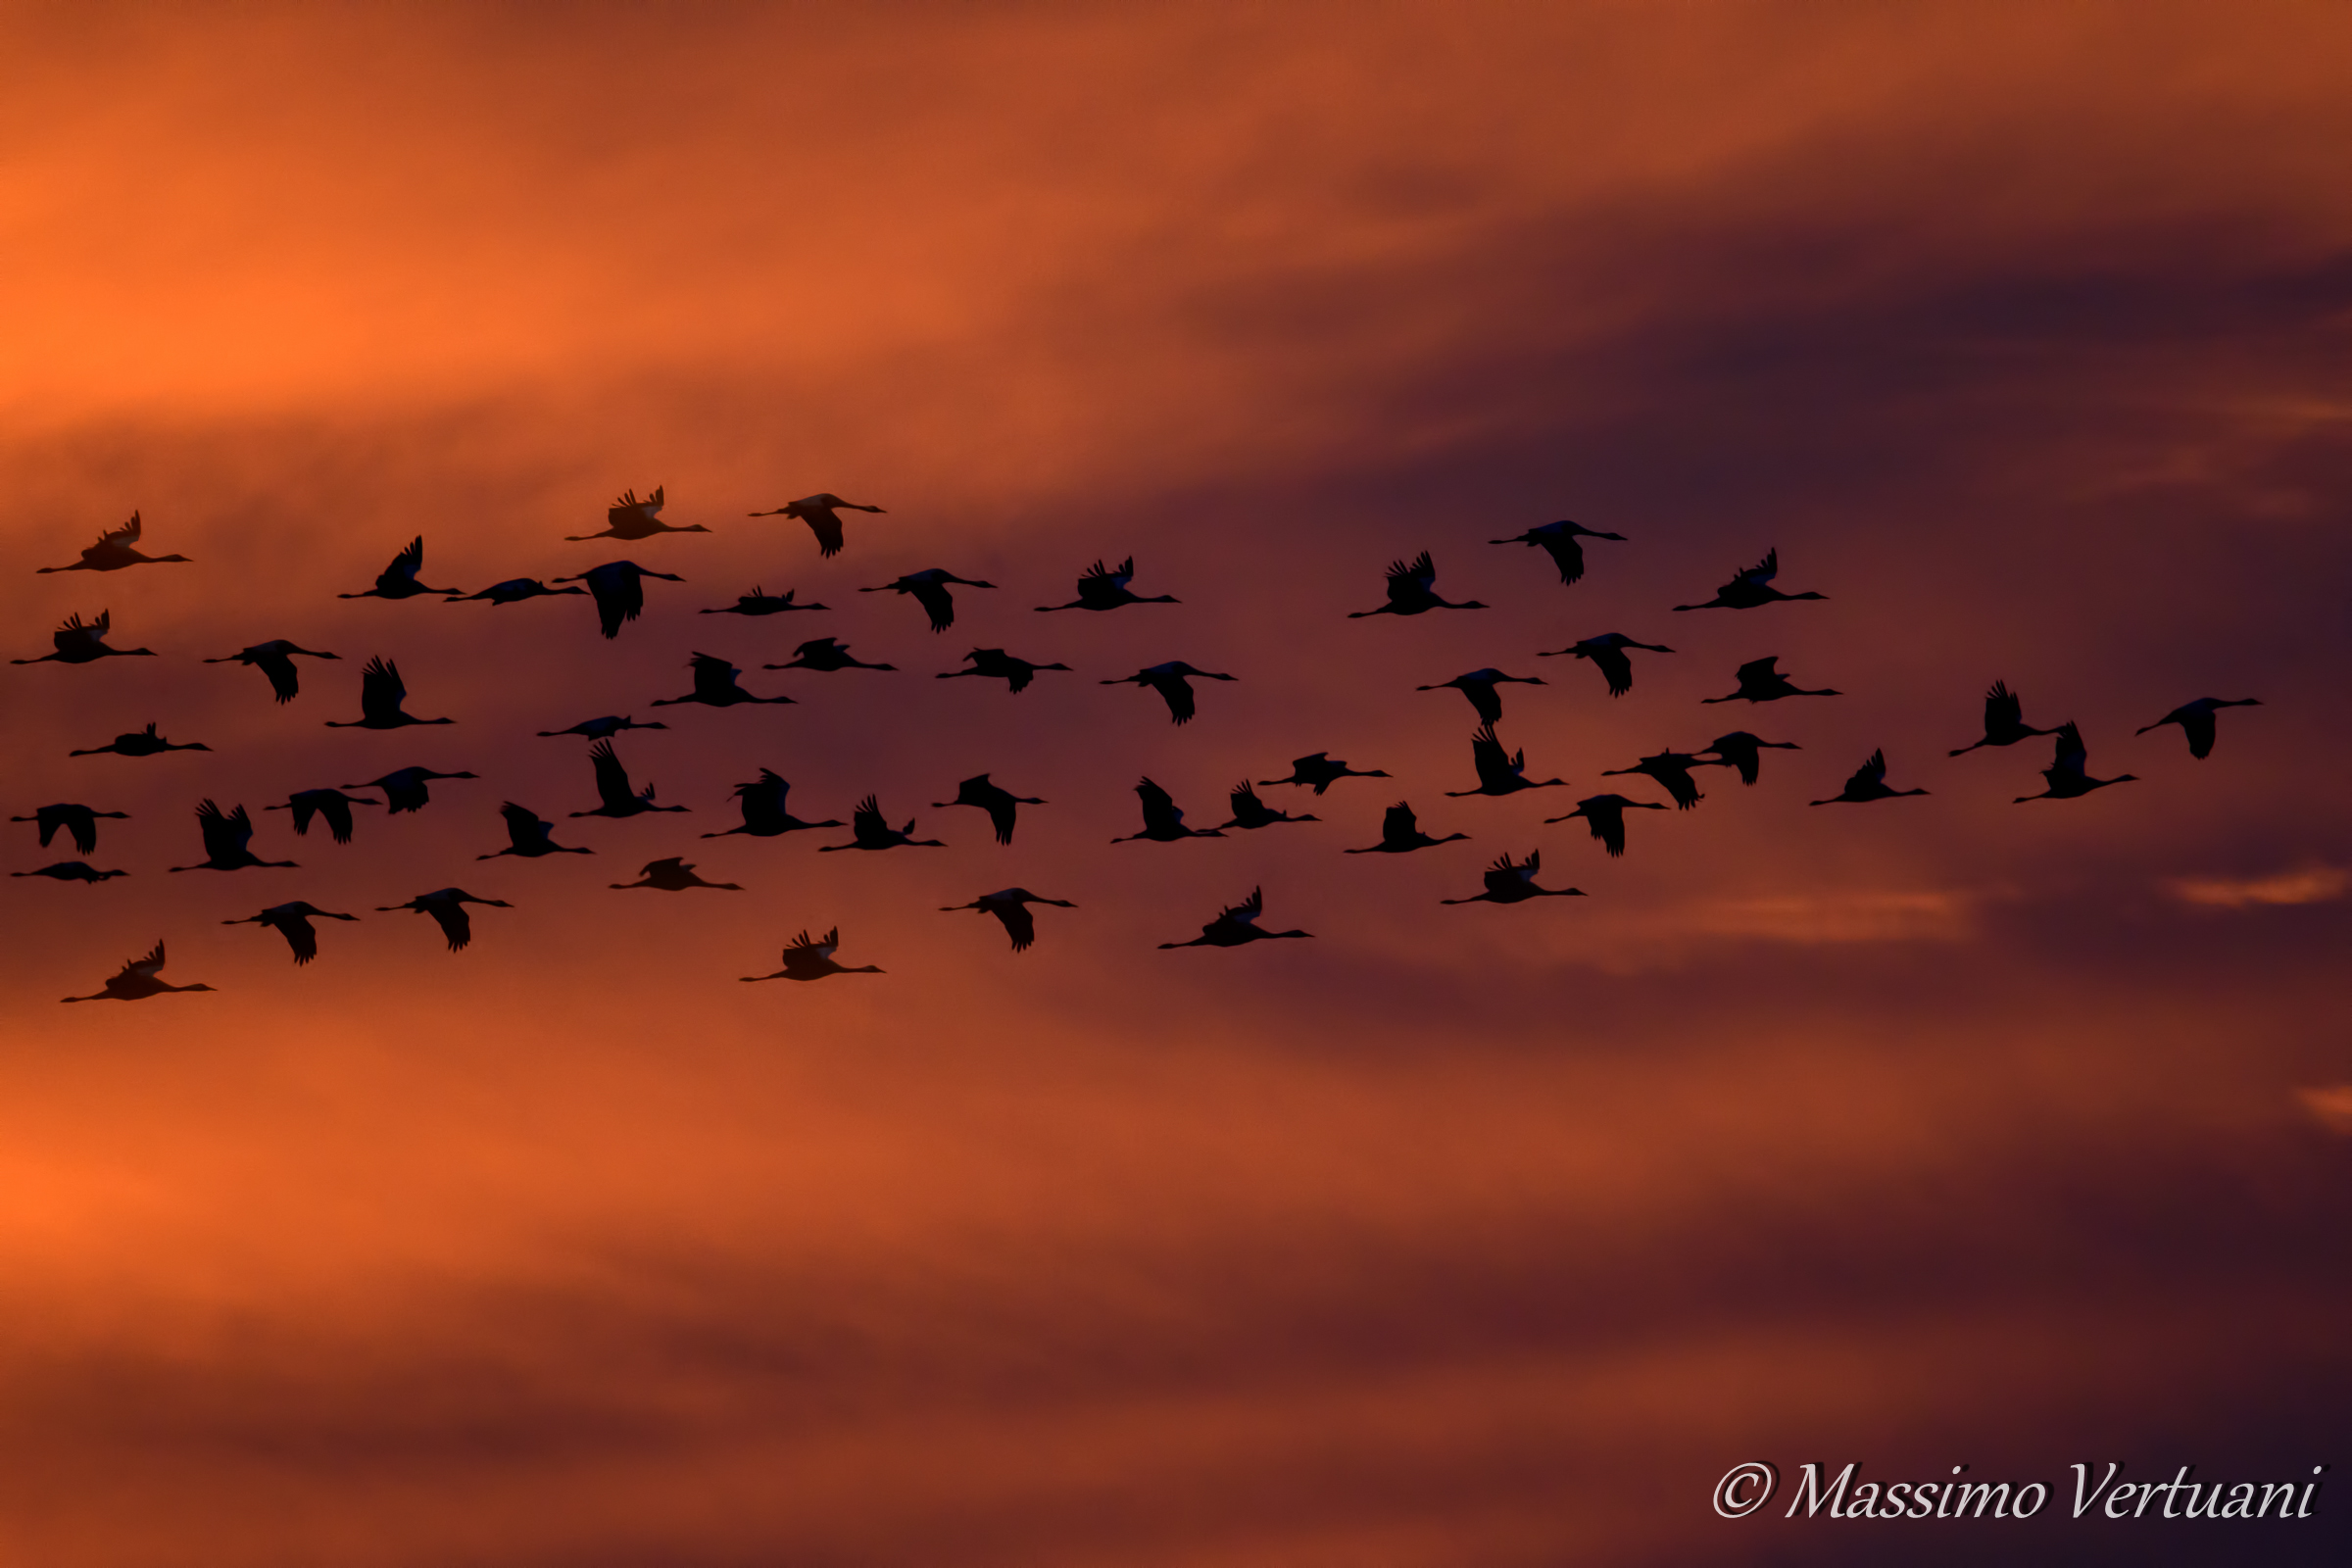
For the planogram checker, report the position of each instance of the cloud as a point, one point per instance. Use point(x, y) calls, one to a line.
point(2312, 884)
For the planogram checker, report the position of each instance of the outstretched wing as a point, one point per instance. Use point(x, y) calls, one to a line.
point(408, 563)
point(867, 820)
point(2072, 756)
point(1487, 756)
point(2003, 711)
point(936, 603)
point(1870, 774)
point(611, 779)
point(1398, 823)
point(148, 967)
point(455, 923)
point(1161, 814)
point(381, 690)
point(1763, 571)
point(116, 539)
point(524, 827)
point(1249, 909)
point(1565, 552)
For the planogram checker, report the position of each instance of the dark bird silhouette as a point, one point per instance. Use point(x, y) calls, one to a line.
point(1163, 821)
point(673, 875)
point(1761, 681)
point(807, 959)
point(1409, 591)
point(2004, 720)
point(1010, 905)
point(1170, 681)
point(1751, 587)
point(2196, 721)
point(1558, 541)
point(1479, 686)
point(1511, 882)
point(868, 831)
point(763, 812)
point(225, 835)
point(604, 728)
point(1744, 751)
point(930, 589)
point(381, 692)
point(1868, 783)
point(759, 602)
point(613, 796)
point(1607, 653)
point(618, 588)
point(1100, 588)
point(79, 642)
point(72, 871)
point(999, 804)
point(529, 837)
point(632, 518)
point(714, 686)
point(825, 654)
point(1250, 812)
point(399, 579)
point(822, 513)
point(141, 742)
point(136, 980)
point(276, 660)
point(114, 551)
point(1500, 772)
point(1401, 834)
point(407, 789)
point(1606, 815)
point(1236, 925)
point(333, 805)
point(2064, 779)
point(293, 923)
point(447, 906)
point(80, 822)
point(996, 664)
point(1671, 772)
point(1318, 769)
point(514, 590)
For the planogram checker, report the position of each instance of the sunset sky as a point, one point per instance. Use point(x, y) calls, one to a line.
point(1928, 1132)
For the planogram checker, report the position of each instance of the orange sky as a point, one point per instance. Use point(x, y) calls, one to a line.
point(1930, 1132)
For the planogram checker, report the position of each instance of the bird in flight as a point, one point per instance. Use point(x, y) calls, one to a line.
point(763, 812)
point(714, 686)
point(116, 549)
point(1761, 681)
point(1607, 654)
point(868, 831)
point(1411, 592)
point(1606, 815)
point(1745, 752)
point(1100, 588)
point(333, 805)
point(447, 906)
point(1163, 819)
point(1236, 925)
point(72, 871)
point(141, 742)
point(137, 980)
point(529, 837)
point(930, 589)
point(276, 660)
point(1011, 906)
point(1401, 834)
point(759, 602)
point(79, 642)
point(1500, 772)
point(1478, 687)
point(225, 836)
point(998, 802)
point(822, 513)
point(618, 588)
point(1318, 769)
point(514, 590)
point(825, 654)
point(1671, 772)
point(407, 789)
point(2004, 720)
point(1169, 680)
point(808, 959)
point(1558, 540)
point(381, 693)
point(1250, 812)
point(673, 875)
point(2064, 779)
point(80, 822)
point(632, 518)
point(2196, 720)
point(998, 665)
point(1868, 783)
point(1514, 882)
point(399, 579)
point(293, 923)
point(604, 728)
point(615, 798)
point(1751, 587)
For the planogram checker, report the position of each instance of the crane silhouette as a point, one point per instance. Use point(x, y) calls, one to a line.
point(1752, 587)
point(630, 519)
point(1401, 834)
point(1478, 687)
point(116, 549)
point(1761, 681)
point(2196, 721)
point(614, 795)
point(1558, 540)
point(2004, 720)
point(407, 789)
point(618, 589)
point(759, 602)
point(714, 686)
point(930, 589)
point(381, 693)
point(1249, 812)
point(1671, 772)
point(998, 802)
point(225, 835)
point(808, 959)
point(79, 642)
point(1236, 925)
point(293, 923)
point(1868, 783)
point(2064, 779)
point(1170, 681)
point(1514, 882)
point(399, 579)
point(1163, 819)
point(80, 822)
point(333, 805)
point(822, 513)
point(673, 875)
point(1318, 769)
point(276, 660)
point(1411, 592)
point(1607, 654)
point(137, 979)
point(825, 654)
point(1745, 752)
point(1500, 772)
point(1605, 815)
point(514, 590)
point(1011, 906)
point(604, 728)
point(1100, 588)
point(868, 831)
point(529, 837)
point(72, 871)
point(763, 812)
point(447, 906)
point(141, 742)
point(997, 665)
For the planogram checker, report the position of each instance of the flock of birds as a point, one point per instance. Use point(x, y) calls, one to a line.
point(616, 590)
